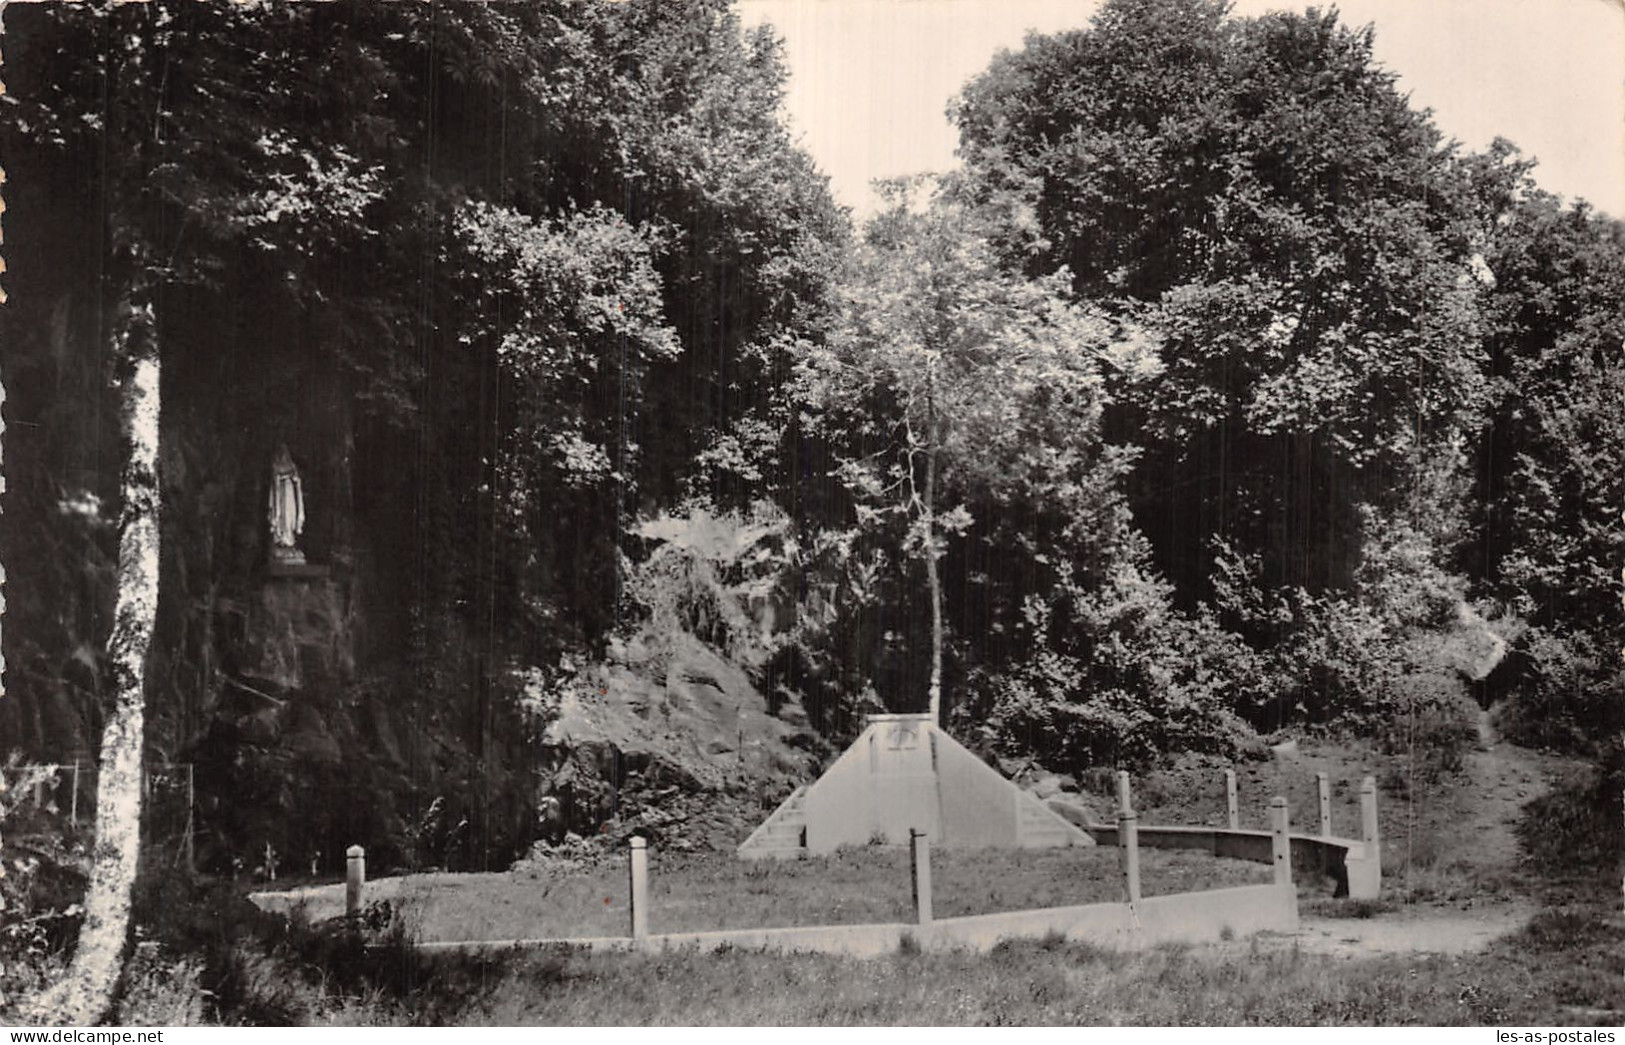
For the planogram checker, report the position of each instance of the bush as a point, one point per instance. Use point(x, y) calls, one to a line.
point(1576, 827)
point(1371, 659)
point(162, 993)
point(42, 880)
point(1435, 722)
point(1118, 677)
point(1563, 692)
point(715, 575)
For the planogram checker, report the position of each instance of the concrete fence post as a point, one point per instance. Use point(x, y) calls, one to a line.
point(1368, 818)
point(639, 865)
point(355, 876)
point(73, 799)
point(1325, 788)
point(1232, 808)
point(1128, 846)
point(1128, 838)
point(919, 852)
point(1281, 839)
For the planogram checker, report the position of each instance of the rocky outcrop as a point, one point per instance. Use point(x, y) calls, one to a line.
point(1474, 646)
point(686, 721)
point(299, 630)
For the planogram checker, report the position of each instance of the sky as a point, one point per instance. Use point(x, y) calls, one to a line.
point(871, 79)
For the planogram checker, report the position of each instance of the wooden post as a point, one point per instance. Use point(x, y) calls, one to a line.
point(1232, 809)
point(1368, 817)
point(73, 799)
point(355, 876)
point(919, 851)
point(1325, 804)
point(1125, 801)
point(640, 887)
point(1281, 840)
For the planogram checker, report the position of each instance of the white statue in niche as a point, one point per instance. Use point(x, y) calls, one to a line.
point(287, 509)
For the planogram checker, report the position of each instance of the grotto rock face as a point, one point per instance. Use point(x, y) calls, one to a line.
point(300, 631)
point(319, 705)
point(639, 725)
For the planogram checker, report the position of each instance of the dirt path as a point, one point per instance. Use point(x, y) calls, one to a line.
point(1412, 930)
point(1465, 847)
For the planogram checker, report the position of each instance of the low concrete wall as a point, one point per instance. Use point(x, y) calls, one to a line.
point(858, 941)
point(1358, 875)
point(1189, 917)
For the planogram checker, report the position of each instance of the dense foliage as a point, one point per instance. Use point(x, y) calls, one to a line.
point(1548, 542)
point(961, 406)
point(1217, 394)
point(1362, 331)
point(1265, 190)
point(486, 269)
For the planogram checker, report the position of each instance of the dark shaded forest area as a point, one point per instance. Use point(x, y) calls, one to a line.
point(1217, 394)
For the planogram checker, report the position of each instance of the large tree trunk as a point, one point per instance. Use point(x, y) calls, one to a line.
point(86, 989)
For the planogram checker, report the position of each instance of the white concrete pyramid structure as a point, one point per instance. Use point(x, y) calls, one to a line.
point(904, 773)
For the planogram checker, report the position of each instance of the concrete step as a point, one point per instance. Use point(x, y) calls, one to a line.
point(1042, 828)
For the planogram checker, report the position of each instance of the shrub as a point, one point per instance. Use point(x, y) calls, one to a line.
point(1118, 677)
point(162, 993)
point(715, 575)
point(42, 880)
point(1372, 658)
point(1434, 721)
point(1563, 691)
point(1576, 827)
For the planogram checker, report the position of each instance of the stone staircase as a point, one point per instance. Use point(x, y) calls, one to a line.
point(1040, 827)
point(781, 836)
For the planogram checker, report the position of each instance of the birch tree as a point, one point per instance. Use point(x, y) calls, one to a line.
point(86, 989)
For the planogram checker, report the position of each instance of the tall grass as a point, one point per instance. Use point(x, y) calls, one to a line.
point(1050, 983)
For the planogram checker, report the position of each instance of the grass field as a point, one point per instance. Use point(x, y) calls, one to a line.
point(1567, 967)
point(701, 891)
point(1518, 982)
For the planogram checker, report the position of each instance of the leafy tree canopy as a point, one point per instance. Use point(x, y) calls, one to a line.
point(1265, 195)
